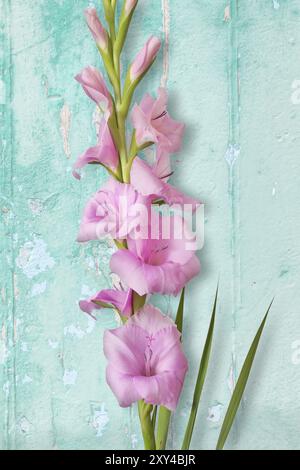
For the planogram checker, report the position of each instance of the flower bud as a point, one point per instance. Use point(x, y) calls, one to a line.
point(94, 85)
point(98, 31)
point(145, 58)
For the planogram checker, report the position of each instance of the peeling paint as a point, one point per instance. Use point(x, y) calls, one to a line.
point(232, 154)
point(65, 124)
point(24, 425)
point(6, 388)
point(74, 331)
point(38, 289)
point(53, 344)
point(100, 419)
point(27, 380)
point(276, 4)
point(34, 259)
point(166, 29)
point(215, 413)
point(70, 377)
point(36, 206)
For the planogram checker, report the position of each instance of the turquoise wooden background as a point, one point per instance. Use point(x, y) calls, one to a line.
point(233, 72)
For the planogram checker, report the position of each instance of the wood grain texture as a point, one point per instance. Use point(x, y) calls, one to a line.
point(232, 68)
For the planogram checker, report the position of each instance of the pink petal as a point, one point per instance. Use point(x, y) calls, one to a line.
point(130, 269)
point(124, 347)
point(104, 153)
point(122, 386)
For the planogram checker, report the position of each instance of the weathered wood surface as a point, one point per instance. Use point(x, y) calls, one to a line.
point(232, 69)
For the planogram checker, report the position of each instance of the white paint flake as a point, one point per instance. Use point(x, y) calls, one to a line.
point(34, 259)
point(100, 419)
point(36, 206)
point(24, 425)
point(276, 4)
point(53, 344)
point(24, 347)
point(5, 389)
point(38, 289)
point(27, 380)
point(215, 413)
point(70, 377)
point(232, 154)
point(74, 331)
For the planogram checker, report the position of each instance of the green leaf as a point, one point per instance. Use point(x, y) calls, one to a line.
point(240, 386)
point(200, 380)
point(180, 311)
point(164, 415)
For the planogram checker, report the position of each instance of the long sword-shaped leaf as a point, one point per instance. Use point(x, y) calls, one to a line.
point(200, 380)
point(164, 415)
point(240, 386)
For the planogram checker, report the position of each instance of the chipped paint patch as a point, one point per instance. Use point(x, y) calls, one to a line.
point(100, 419)
point(38, 289)
point(53, 344)
point(34, 259)
point(215, 413)
point(6, 388)
point(74, 331)
point(24, 425)
point(232, 154)
point(276, 4)
point(36, 206)
point(24, 347)
point(65, 124)
point(70, 377)
point(27, 380)
point(77, 332)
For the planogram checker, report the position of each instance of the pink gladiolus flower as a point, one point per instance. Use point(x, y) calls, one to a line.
point(129, 5)
point(103, 153)
point(98, 31)
point(110, 298)
point(116, 210)
point(162, 263)
point(145, 58)
point(153, 123)
point(94, 85)
point(151, 182)
point(146, 360)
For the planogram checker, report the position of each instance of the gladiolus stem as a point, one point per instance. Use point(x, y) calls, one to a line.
point(147, 425)
point(163, 424)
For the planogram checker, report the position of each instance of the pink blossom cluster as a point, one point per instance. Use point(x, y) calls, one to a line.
point(145, 355)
